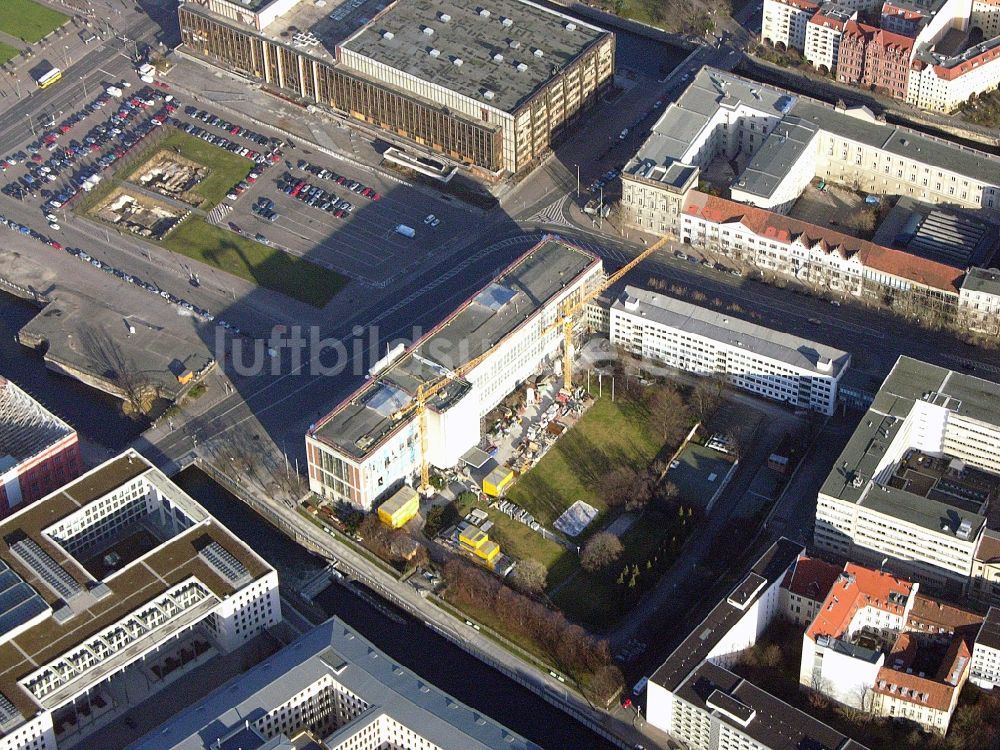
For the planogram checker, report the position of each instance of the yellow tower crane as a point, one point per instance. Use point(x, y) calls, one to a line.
point(568, 310)
point(571, 308)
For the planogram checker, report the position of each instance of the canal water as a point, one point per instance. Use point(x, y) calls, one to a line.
point(411, 643)
point(96, 416)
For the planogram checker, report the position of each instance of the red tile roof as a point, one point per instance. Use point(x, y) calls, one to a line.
point(785, 229)
point(811, 578)
point(936, 692)
point(931, 616)
point(856, 589)
point(880, 36)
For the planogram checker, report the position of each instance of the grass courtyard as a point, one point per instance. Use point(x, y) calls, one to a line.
point(262, 265)
point(610, 434)
point(28, 20)
point(225, 169)
point(7, 53)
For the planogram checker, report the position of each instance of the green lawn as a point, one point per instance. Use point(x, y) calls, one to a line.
point(225, 169)
point(610, 434)
point(257, 263)
point(522, 543)
point(7, 52)
point(28, 20)
point(598, 600)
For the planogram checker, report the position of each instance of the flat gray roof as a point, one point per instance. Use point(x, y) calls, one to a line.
point(777, 156)
point(475, 39)
point(26, 427)
point(686, 658)
point(732, 331)
point(483, 321)
point(982, 280)
point(772, 722)
point(909, 381)
point(336, 651)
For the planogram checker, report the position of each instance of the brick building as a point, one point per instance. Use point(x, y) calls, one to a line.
point(38, 451)
point(872, 57)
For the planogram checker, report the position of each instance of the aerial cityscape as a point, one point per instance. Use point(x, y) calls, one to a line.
point(411, 374)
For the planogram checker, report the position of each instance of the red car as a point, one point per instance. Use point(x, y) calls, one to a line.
point(376, 197)
point(298, 188)
point(55, 244)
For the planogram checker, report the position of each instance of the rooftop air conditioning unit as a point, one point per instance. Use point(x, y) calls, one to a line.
point(444, 17)
point(458, 61)
point(514, 44)
point(507, 22)
point(521, 67)
point(498, 58)
point(537, 52)
point(387, 35)
point(434, 53)
point(570, 26)
point(489, 95)
point(428, 30)
point(484, 13)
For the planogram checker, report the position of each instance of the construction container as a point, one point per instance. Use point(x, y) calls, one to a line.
point(495, 483)
point(400, 508)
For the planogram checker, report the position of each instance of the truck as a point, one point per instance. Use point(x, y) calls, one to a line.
point(114, 91)
point(405, 230)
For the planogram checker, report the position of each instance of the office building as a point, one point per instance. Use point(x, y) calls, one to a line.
point(769, 363)
point(985, 670)
point(492, 85)
point(114, 586)
point(38, 451)
point(331, 690)
point(364, 449)
point(917, 485)
point(979, 299)
point(693, 695)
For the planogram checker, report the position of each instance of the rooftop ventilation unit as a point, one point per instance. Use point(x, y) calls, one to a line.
point(458, 61)
point(521, 67)
point(498, 58)
point(514, 44)
point(507, 22)
point(489, 95)
point(484, 13)
point(444, 17)
point(428, 30)
point(434, 52)
point(387, 35)
point(537, 52)
point(570, 26)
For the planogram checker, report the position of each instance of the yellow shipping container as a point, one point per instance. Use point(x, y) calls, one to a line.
point(488, 550)
point(400, 508)
point(497, 480)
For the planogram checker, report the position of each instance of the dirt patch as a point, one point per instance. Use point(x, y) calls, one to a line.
point(171, 175)
point(138, 214)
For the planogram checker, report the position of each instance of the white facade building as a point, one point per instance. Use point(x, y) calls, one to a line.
point(986, 652)
point(116, 573)
point(360, 451)
point(331, 690)
point(769, 363)
point(944, 426)
point(823, 33)
point(785, 22)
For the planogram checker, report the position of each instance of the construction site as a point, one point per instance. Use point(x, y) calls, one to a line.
point(138, 213)
point(172, 176)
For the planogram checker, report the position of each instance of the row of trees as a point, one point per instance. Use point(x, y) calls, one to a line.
point(570, 648)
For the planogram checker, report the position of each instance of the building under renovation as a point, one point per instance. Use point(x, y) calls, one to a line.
point(365, 448)
point(492, 85)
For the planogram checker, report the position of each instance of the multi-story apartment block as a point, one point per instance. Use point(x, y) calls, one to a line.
point(785, 21)
point(878, 645)
point(917, 485)
point(38, 451)
point(769, 363)
point(986, 17)
point(694, 697)
point(979, 299)
point(362, 451)
point(805, 587)
point(118, 579)
point(875, 58)
point(331, 690)
point(489, 86)
point(823, 35)
point(985, 670)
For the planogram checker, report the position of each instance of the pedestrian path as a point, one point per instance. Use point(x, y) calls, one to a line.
point(553, 214)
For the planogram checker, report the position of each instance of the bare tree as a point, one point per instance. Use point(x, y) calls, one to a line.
point(706, 396)
point(603, 549)
point(669, 415)
point(618, 485)
point(529, 577)
point(135, 387)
